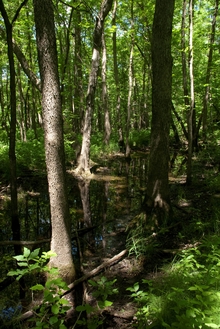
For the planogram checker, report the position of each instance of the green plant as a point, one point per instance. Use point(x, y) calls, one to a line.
point(187, 293)
point(103, 288)
point(50, 313)
point(141, 240)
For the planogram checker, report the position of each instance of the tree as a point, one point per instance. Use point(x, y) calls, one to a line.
point(157, 198)
point(191, 114)
point(54, 144)
point(15, 223)
point(83, 164)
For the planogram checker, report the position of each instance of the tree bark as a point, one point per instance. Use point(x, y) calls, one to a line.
point(157, 200)
point(105, 108)
point(83, 165)
point(203, 117)
point(192, 99)
point(54, 144)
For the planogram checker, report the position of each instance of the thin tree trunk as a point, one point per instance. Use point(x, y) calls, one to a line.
point(105, 108)
point(184, 60)
point(15, 224)
point(203, 117)
point(130, 84)
point(116, 76)
point(83, 165)
point(78, 105)
point(192, 100)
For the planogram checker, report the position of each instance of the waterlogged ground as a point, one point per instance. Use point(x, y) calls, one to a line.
point(103, 205)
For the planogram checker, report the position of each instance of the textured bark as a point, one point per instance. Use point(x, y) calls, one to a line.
point(105, 108)
point(157, 195)
point(83, 164)
point(54, 144)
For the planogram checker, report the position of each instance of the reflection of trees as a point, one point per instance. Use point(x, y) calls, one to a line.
point(84, 186)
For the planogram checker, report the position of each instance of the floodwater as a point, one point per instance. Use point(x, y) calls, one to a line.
point(100, 209)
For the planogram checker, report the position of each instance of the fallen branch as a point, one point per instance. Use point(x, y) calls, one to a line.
point(23, 243)
point(110, 262)
point(117, 258)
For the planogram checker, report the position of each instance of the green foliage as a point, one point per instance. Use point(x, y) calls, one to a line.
point(4, 160)
point(52, 310)
point(186, 295)
point(140, 238)
point(139, 138)
point(30, 154)
point(103, 288)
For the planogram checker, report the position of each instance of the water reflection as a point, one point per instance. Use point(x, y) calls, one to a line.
point(100, 202)
point(100, 209)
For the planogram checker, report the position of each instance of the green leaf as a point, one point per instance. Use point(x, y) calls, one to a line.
point(190, 313)
point(55, 309)
point(62, 326)
point(26, 252)
point(53, 320)
point(105, 303)
point(19, 258)
point(37, 287)
point(12, 273)
point(93, 283)
point(34, 253)
point(25, 264)
point(88, 308)
point(212, 325)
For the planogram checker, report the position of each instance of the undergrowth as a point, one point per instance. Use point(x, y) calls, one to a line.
point(186, 294)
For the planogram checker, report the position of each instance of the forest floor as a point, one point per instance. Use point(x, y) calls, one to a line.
point(193, 206)
point(194, 209)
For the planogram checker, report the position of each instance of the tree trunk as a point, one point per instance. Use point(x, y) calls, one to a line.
point(78, 77)
point(54, 144)
point(130, 84)
point(83, 165)
point(105, 108)
point(203, 117)
point(116, 75)
point(192, 100)
point(184, 61)
point(157, 200)
point(15, 224)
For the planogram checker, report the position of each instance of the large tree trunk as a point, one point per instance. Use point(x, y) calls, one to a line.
point(157, 199)
point(54, 145)
point(83, 164)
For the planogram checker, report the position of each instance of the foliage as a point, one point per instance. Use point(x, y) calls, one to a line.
point(51, 312)
point(139, 138)
point(187, 293)
point(141, 239)
point(103, 288)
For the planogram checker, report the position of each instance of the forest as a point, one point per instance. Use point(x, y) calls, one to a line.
point(109, 164)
